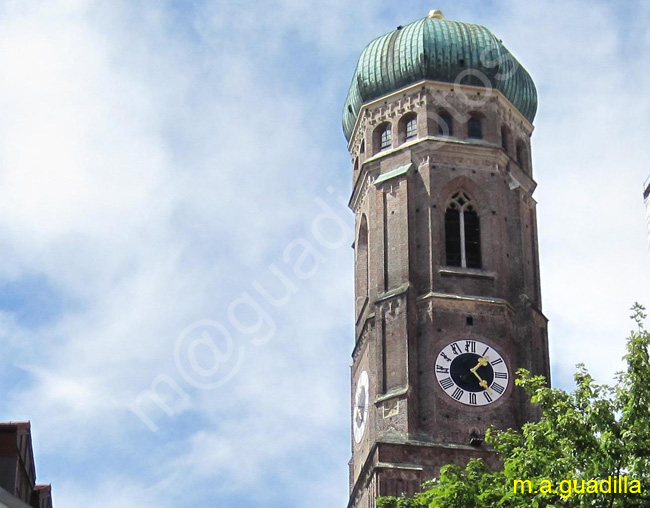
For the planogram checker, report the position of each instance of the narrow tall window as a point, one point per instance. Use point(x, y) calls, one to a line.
point(411, 128)
point(407, 127)
point(361, 248)
point(462, 232)
point(505, 138)
point(382, 138)
point(445, 124)
point(521, 154)
point(385, 141)
point(474, 128)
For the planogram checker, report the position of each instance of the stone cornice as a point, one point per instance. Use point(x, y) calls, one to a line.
point(457, 153)
point(467, 298)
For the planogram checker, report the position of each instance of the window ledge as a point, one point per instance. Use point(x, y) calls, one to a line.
point(466, 272)
point(393, 292)
point(398, 392)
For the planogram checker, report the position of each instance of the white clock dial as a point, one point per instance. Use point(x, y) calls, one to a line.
point(472, 372)
point(360, 411)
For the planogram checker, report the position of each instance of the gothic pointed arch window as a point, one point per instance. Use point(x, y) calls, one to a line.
point(462, 232)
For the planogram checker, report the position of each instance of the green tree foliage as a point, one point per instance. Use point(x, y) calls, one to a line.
point(582, 439)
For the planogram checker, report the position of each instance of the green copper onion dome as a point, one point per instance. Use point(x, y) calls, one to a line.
point(438, 49)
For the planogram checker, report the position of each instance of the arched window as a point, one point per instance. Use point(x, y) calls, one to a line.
point(445, 124)
point(356, 164)
point(474, 127)
point(462, 232)
point(408, 127)
point(382, 138)
point(362, 263)
point(505, 138)
point(521, 154)
point(412, 128)
point(363, 147)
point(386, 140)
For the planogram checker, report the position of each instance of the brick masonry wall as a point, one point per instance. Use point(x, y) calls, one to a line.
point(411, 304)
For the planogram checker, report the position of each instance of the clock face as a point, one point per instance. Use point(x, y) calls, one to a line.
point(360, 414)
point(472, 372)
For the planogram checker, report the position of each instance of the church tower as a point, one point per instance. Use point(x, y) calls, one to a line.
point(448, 307)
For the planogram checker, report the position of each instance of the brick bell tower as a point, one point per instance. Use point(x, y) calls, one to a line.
point(448, 307)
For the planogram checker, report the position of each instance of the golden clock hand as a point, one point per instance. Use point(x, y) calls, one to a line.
point(482, 362)
point(481, 382)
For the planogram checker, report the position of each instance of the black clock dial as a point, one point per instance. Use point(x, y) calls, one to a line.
point(461, 372)
point(472, 372)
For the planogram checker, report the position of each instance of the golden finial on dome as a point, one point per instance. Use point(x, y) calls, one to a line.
point(437, 14)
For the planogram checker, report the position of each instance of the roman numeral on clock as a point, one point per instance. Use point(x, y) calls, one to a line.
point(471, 372)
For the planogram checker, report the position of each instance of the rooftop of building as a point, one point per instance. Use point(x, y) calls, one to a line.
point(438, 49)
point(18, 487)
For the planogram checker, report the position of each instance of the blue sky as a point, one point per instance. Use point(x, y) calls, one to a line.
point(162, 162)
